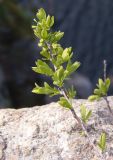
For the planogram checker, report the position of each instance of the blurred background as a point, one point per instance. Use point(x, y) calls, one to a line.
point(88, 27)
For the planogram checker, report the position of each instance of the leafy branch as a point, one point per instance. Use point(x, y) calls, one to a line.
point(54, 56)
point(102, 89)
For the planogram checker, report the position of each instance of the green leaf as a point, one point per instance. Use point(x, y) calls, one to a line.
point(71, 92)
point(41, 14)
point(66, 55)
point(101, 83)
point(93, 97)
point(107, 83)
point(57, 49)
point(102, 87)
point(43, 68)
point(52, 21)
point(58, 61)
point(41, 42)
point(37, 31)
point(64, 102)
point(45, 90)
point(45, 53)
point(71, 68)
point(97, 91)
point(85, 113)
point(58, 35)
point(89, 113)
point(102, 142)
point(58, 77)
point(44, 34)
point(48, 20)
point(101, 90)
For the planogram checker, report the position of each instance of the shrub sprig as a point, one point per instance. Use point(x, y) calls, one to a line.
point(54, 58)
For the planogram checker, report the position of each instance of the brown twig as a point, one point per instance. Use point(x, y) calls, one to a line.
point(105, 97)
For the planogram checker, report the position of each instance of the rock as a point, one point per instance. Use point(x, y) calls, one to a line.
point(50, 132)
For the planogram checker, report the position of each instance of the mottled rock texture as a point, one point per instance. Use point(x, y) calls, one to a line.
point(50, 132)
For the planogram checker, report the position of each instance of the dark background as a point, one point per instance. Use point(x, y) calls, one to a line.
point(88, 27)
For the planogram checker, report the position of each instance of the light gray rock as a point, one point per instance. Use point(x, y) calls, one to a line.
point(50, 132)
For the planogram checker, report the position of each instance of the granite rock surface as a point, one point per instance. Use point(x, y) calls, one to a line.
point(50, 132)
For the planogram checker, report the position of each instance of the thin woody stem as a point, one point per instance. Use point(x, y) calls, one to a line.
point(80, 122)
point(105, 98)
point(62, 91)
point(105, 66)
